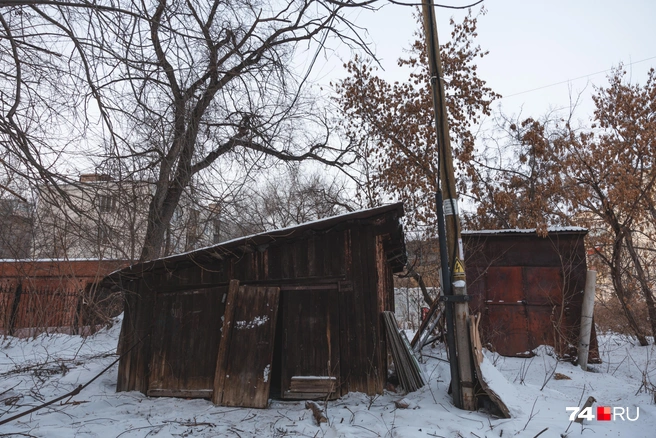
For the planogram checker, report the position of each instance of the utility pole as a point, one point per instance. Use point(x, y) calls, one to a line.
point(455, 277)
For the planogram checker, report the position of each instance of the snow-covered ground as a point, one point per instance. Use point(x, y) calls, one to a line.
point(35, 371)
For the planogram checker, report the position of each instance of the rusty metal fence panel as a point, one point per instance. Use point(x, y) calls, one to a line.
point(53, 296)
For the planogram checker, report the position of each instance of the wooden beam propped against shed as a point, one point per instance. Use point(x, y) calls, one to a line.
point(244, 361)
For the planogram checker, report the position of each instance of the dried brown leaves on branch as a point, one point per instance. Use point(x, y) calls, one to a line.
point(602, 177)
point(392, 123)
point(612, 176)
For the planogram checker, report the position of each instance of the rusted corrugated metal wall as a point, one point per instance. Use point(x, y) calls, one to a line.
point(529, 289)
point(53, 296)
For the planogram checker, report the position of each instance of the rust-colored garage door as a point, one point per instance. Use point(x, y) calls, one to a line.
point(522, 308)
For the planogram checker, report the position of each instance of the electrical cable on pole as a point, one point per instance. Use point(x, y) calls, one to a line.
point(451, 252)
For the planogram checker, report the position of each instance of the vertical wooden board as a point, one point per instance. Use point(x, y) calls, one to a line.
point(126, 337)
point(246, 352)
point(300, 248)
point(265, 264)
point(135, 359)
point(318, 254)
point(324, 255)
point(385, 274)
point(355, 318)
point(262, 264)
point(254, 265)
point(206, 311)
point(381, 286)
point(343, 255)
point(364, 351)
point(348, 256)
point(374, 327)
point(222, 356)
point(337, 256)
point(391, 305)
point(543, 288)
point(312, 256)
point(286, 260)
point(274, 260)
point(166, 325)
point(386, 300)
point(311, 336)
point(345, 303)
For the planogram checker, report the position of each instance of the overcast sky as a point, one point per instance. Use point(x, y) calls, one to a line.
point(532, 43)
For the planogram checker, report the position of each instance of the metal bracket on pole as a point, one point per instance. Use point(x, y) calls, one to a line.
point(456, 298)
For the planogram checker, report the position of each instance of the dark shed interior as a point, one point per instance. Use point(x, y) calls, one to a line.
point(292, 313)
point(528, 289)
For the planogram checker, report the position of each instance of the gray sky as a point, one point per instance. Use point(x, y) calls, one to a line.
point(532, 44)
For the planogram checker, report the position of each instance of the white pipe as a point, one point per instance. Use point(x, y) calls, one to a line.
point(586, 318)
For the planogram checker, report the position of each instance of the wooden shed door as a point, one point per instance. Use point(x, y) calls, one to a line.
point(310, 343)
point(185, 342)
point(243, 365)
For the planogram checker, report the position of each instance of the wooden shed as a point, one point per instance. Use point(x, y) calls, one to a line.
point(528, 288)
point(54, 296)
point(292, 314)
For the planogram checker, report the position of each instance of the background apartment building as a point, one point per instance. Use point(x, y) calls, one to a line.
point(98, 217)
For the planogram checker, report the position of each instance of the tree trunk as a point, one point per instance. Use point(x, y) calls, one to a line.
point(159, 219)
point(420, 281)
point(642, 279)
point(620, 291)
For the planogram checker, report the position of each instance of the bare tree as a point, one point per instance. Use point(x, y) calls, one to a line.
point(285, 200)
point(172, 89)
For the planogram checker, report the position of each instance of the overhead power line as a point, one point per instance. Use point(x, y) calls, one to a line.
point(574, 79)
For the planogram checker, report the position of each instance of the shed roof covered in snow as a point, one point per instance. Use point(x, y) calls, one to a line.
point(550, 230)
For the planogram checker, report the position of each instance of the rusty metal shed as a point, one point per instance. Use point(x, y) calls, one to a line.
point(528, 288)
point(292, 313)
point(54, 295)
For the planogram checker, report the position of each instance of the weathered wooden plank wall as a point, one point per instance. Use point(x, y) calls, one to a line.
point(135, 340)
point(310, 335)
point(334, 283)
point(182, 363)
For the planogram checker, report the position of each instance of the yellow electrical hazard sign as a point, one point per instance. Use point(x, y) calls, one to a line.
point(458, 268)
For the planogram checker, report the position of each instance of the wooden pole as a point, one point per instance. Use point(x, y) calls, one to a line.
point(450, 207)
point(586, 318)
point(463, 344)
